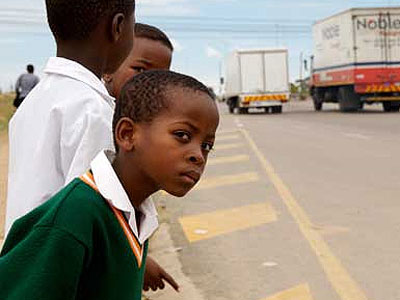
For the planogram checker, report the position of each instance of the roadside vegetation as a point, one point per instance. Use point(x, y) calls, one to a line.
point(6, 110)
point(300, 90)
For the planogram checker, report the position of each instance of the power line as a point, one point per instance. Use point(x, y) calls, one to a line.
point(186, 27)
point(239, 27)
point(32, 11)
point(33, 20)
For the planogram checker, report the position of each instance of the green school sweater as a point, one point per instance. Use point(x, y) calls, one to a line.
point(71, 247)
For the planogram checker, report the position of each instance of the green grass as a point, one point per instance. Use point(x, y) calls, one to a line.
point(6, 110)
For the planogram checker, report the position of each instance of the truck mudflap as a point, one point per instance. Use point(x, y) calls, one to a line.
point(264, 100)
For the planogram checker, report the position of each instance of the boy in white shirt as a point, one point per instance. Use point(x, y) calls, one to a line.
point(66, 118)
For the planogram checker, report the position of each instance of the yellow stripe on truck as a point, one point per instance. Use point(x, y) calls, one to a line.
point(374, 88)
point(272, 97)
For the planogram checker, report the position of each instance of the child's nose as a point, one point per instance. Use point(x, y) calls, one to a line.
point(197, 158)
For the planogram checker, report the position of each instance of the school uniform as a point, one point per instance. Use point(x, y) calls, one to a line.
point(81, 244)
point(55, 133)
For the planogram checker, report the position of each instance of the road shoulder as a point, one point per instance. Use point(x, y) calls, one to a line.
point(3, 180)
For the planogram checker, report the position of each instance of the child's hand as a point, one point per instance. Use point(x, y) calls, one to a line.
point(154, 276)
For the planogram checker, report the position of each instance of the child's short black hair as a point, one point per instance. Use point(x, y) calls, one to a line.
point(76, 19)
point(153, 33)
point(147, 94)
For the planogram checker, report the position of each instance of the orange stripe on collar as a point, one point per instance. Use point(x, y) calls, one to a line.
point(89, 180)
point(137, 249)
point(135, 246)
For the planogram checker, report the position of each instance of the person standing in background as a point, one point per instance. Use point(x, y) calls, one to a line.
point(25, 83)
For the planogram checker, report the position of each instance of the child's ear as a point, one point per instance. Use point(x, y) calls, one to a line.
point(118, 23)
point(125, 134)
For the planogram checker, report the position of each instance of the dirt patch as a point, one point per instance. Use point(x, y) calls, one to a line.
point(6, 110)
point(3, 179)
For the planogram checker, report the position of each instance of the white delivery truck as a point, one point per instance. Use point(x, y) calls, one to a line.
point(257, 78)
point(356, 59)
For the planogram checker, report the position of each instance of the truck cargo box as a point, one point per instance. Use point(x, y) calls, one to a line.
point(359, 48)
point(257, 78)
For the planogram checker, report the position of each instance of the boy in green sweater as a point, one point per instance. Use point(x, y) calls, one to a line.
point(89, 241)
point(152, 50)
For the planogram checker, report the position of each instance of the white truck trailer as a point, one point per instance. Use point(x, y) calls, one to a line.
point(257, 78)
point(356, 59)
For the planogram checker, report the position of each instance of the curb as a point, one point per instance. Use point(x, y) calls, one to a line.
point(162, 249)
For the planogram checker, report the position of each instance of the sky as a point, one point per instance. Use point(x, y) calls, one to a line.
point(203, 32)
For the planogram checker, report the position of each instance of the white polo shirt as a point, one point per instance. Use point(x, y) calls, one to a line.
point(55, 134)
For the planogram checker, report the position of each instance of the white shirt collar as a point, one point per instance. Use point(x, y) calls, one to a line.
point(112, 190)
point(72, 69)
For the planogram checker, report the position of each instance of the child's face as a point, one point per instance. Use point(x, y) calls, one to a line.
point(172, 150)
point(145, 55)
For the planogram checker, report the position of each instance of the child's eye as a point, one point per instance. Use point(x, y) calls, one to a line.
point(139, 69)
point(207, 146)
point(183, 136)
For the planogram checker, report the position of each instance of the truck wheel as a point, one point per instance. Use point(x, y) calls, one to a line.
point(317, 104)
point(389, 106)
point(243, 110)
point(276, 109)
point(348, 100)
point(318, 98)
point(231, 102)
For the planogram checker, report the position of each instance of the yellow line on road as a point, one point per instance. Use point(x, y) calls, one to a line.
point(228, 131)
point(227, 160)
point(227, 137)
point(228, 146)
point(343, 283)
point(300, 292)
point(213, 182)
point(208, 225)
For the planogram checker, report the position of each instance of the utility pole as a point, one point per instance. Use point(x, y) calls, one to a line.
point(220, 77)
point(301, 67)
point(301, 73)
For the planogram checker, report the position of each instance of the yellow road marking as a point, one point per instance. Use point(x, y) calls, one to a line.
point(208, 225)
point(227, 160)
point(227, 137)
point(300, 292)
point(229, 131)
point(217, 181)
point(343, 283)
point(228, 146)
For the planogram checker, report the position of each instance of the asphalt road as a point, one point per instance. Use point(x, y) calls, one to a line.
point(298, 206)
